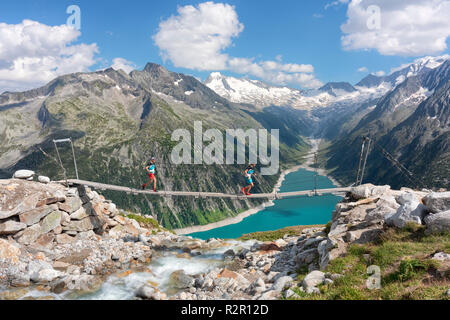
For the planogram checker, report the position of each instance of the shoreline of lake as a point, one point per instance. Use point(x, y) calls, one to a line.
point(237, 219)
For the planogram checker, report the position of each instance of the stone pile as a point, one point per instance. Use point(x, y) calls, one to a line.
point(66, 238)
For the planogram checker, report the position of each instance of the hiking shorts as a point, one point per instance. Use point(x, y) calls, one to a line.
point(151, 176)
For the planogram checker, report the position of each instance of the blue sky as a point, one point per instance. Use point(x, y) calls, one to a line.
point(300, 32)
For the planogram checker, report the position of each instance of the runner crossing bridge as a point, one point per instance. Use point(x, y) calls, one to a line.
point(270, 196)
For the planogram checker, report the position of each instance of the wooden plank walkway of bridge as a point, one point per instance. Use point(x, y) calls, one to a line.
point(271, 196)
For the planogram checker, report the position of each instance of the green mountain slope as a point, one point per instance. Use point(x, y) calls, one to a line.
point(411, 122)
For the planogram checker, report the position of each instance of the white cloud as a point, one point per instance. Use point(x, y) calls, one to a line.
point(363, 69)
point(379, 73)
point(275, 72)
point(125, 65)
point(406, 27)
point(335, 3)
point(32, 54)
point(196, 38)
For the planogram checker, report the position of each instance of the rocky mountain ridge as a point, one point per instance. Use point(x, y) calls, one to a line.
point(407, 121)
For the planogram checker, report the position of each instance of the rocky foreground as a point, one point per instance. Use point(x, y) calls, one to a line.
point(70, 240)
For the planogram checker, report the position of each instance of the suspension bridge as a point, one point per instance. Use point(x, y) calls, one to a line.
point(270, 196)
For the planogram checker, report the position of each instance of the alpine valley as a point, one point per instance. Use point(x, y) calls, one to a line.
point(119, 120)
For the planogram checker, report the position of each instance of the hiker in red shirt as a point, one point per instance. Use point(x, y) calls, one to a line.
point(151, 170)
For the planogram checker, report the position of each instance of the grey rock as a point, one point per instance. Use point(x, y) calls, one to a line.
point(312, 243)
point(270, 295)
point(179, 279)
point(11, 227)
point(45, 275)
point(72, 192)
point(408, 212)
point(290, 294)
point(282, 283)
point(51, 221)
point(229, 253)
point(79, 214)
point(257, 287)
point(381, 212)
point(85, 224)
point(306, 257)
point(361, 192)
point(441, 256)
point(64, 238)
point(313, 279)
point(84, 282)
point(30, 235)
point(35, 266)
point(34, 216)
point(438, 222)
point(407, 197)
point(312, 290)
point(145, 292)
point(437, 201)
point(377, 191)
point(23, 174)
point(44, 179)
point(74, 203)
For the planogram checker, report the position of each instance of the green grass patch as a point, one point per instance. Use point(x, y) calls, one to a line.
point(407, 270)
point(277, 234)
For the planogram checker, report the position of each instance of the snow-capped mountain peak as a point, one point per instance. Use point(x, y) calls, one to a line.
point(400, 74)
point(242, 90)
point(260, 94)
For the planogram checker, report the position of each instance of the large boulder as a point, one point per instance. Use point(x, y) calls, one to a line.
point(437, 201)
point(411, 210)
point(438, 223)
point(23, 174)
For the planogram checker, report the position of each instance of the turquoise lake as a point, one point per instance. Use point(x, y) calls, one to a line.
point(286, 212)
